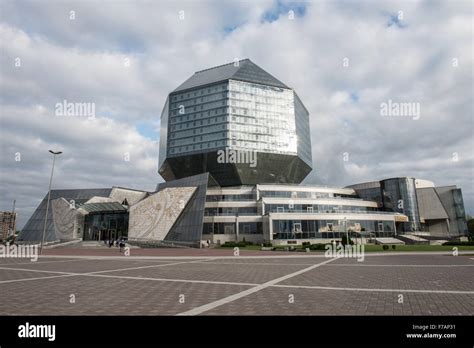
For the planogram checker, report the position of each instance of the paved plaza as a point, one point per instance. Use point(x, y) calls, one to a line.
point(273, 284)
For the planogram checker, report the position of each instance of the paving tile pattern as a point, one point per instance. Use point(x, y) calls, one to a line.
point(116, 295)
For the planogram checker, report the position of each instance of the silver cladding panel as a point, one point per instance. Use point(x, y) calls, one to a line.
point(245, 70)
point(33, 229)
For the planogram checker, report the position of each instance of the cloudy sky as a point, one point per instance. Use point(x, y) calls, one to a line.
point(344, 59)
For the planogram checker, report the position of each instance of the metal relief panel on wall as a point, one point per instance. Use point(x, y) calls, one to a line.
point(64, 217)
point(33, 229)
point(119, 194)
point(153, 217)
point(188, 227)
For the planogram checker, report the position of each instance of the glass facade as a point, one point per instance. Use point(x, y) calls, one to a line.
point(399, 195)
point(316, 208)
point(109, 226)
point(219, 228)
point(306, 229)
point(262, 118)
point(302, 194)
point(237, 115)
point(198, 120)
point(230, 211)
point(242, 109)
point(372, 194)
point(303, 131)
point(230, 228)
point(224, 198)
point(460, 212)
point(163, 134)
point(250, 228)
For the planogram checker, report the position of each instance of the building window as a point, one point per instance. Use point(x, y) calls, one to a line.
point(297, 227)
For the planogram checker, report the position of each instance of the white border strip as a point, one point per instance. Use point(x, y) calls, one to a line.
point(243, 256)
point(375, 290)
point(225, 300)
point(70, 274)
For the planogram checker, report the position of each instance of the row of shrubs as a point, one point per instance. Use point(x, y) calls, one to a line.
point(323, 246)
point(459, 243)
point(305, 245)
point(343, 242)
point(314, 246)
point(318, 246)
point(241, 244)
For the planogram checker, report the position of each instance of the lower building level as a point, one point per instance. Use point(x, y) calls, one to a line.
point(194, 209)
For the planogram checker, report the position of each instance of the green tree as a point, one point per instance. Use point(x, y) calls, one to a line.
point(470, 227)
point(344, 240)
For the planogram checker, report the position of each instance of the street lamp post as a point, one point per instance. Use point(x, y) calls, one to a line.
point(347, 233)
point(49, 197)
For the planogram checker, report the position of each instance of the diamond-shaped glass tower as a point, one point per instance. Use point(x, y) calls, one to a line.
point(237, 122)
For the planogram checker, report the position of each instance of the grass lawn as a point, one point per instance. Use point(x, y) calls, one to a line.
point(420, 248)
point(378, 248)
point(248, 247)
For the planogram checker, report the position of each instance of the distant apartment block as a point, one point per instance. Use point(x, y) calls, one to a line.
point(7, 224)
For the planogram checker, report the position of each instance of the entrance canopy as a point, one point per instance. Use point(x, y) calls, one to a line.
point(105, 207)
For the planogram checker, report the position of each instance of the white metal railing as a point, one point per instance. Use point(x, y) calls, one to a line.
point(334, 212)
point(231, 214)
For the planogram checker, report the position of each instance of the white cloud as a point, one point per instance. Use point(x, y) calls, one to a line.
point(83, 61)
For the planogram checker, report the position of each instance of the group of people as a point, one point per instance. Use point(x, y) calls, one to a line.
point(206, 244)
point(118, 243)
